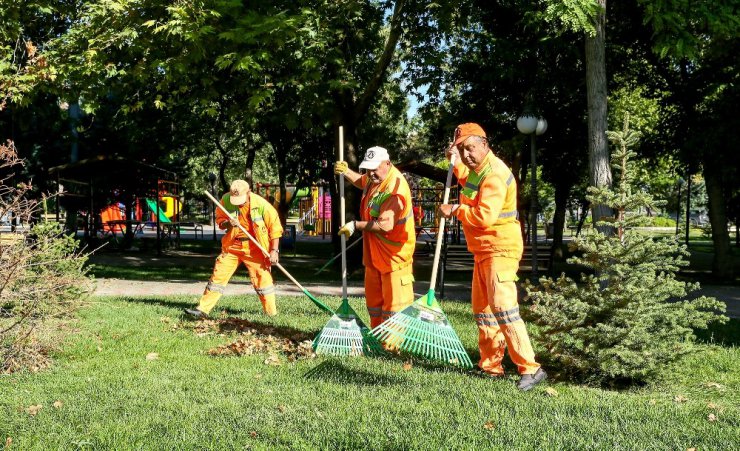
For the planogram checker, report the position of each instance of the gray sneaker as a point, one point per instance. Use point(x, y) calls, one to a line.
point(528, 381)
point(195, 313)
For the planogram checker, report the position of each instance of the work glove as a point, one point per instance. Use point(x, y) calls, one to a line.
point(340, 167)
point(347, 229)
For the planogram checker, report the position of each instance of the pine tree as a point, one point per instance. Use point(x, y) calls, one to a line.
point(622, 322)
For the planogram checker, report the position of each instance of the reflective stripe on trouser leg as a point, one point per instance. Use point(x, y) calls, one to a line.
point(262, 281)
point(503, 299)
point(491, 342)
point(226, 264)
point(374, 296)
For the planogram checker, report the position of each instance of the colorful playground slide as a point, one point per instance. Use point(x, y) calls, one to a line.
point(111, 213)
point(153, 207)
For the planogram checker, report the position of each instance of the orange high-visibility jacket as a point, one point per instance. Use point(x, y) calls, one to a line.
point(488, 209)
point(393, 250)
point(263, 223)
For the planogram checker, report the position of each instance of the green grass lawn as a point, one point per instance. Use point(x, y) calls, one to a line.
point(113, 397)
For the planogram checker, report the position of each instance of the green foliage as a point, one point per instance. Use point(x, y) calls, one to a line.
point(572, 15)
point(683, 28)
point(660, 221)
point(621, 323)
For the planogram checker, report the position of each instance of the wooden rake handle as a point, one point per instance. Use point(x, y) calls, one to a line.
point(342, 215)
point(441, 228)
point(267, 254)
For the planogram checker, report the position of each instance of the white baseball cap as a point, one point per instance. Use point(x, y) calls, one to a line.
point(373, 157)
point(238, 191)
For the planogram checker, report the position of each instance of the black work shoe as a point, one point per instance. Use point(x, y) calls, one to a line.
point(528, 381)
point(195, 313)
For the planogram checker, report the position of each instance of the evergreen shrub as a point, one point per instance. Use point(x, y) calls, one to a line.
point(627, 318)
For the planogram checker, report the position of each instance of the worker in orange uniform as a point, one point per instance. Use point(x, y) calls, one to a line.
point(488, 214)
point(387, 223)
point(261, 220)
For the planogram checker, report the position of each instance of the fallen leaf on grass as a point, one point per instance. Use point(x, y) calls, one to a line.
point(407, 365)
point(100, 349)
point(258, 376)
point(273, 360)
point(680, 398)
point(652, 402)
point(489, 426)
point(8, 442)
point(281, 408)
point(712, 417)
point(33, 410)
point(711, 405)
point(690, 449)
point(549, 391)
point(58, 404)
point(714, 385)
point(152, 356)
point(253, 434)
point(165, 319)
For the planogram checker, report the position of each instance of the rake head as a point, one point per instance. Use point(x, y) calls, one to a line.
point(422, 329)
point(346, 334)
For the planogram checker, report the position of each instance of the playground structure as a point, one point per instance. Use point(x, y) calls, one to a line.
point(108, 195)
point(309, 208)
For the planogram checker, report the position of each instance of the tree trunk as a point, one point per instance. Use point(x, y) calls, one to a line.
point(596, 93)
point(722, 263)
point(223, 164)
point(558, 220)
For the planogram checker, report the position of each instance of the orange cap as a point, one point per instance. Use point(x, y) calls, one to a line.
point(470, 129)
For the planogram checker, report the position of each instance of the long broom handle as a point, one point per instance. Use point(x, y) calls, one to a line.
point(342, 212)
point(441, 228)
point(331, 260)
point(320, 304)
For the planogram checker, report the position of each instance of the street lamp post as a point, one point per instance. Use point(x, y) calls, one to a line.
point(529, 124)
point(212, 179)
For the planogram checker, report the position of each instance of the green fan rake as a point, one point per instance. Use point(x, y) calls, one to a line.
point(422, 329)
point(345, 333)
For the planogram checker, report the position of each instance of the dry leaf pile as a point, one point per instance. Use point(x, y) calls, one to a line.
point(26, 354)
point(254, 338)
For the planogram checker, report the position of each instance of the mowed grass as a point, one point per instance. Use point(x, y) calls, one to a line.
point(114, 398)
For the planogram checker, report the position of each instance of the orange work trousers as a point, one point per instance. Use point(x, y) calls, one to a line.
point(386, 294)
point(227, 263)
point(496, 312)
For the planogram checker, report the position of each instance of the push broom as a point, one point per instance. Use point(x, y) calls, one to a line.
point(345, 333)
point(422, 328)
point(318, 303)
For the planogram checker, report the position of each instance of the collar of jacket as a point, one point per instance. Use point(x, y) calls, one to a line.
point(488, 159)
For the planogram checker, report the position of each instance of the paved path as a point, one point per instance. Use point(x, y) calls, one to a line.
point(453, 290)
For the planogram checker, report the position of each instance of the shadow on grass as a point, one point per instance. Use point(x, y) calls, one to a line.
point(333, 370)
point(727, 334)
point(175, 304)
